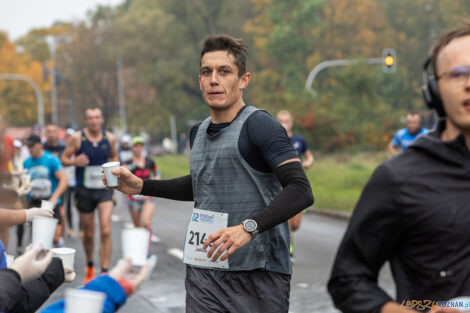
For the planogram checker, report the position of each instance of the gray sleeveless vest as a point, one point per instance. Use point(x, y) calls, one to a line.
point(224, 182)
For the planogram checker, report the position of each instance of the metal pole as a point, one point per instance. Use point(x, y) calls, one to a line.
point(52, 47)
point(122, 100)
point(331, 63)
point(36, 89)
point(73, 124)
point(173, 133)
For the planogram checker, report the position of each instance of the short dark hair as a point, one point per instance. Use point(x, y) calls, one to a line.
point(232, 45)
point(444, 40)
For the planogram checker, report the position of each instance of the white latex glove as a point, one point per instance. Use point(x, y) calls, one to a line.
point(69, 274)
point(24, 190)
point(31, 264)
point(30, 213)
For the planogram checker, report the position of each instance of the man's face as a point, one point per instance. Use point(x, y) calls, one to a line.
point(138, 148)
point(52, 134)
point(35, 150)
point(219, 82)
point(94, 120)
point(413, 123)
point(286, 121)
point(452, 63)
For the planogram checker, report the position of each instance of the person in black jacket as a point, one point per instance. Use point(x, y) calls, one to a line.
point(415, 210)
point(30, 281)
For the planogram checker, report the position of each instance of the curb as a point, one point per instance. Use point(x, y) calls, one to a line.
point(342, 215)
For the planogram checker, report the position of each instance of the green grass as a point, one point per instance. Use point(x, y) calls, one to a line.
point(337, 180)
point(172, 166)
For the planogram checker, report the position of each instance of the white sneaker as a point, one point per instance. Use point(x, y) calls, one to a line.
point(154, 238)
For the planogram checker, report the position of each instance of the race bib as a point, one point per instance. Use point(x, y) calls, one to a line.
point(202, 224)
point(41, 188)
point(139, 197)
point(92, 177)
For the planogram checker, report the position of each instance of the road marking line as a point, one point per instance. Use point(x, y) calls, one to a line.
point(177, 253)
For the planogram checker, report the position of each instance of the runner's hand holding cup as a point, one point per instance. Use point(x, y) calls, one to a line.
point(128, 182)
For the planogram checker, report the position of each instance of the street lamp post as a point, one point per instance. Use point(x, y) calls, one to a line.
point(36, 89)
point(51, 41)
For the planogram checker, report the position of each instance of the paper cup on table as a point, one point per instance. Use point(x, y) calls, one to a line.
point(67, 255)
point(135, 243)
point(43, 231)
point(47, 205)
point(80, 300)
point(10, 259)
point(111, 179)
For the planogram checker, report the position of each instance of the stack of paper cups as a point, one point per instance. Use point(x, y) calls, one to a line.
point(135, 243)
point(43, 231)
point(111, 179)
point(80, 300)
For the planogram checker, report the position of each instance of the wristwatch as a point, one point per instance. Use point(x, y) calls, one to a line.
point(251, 227)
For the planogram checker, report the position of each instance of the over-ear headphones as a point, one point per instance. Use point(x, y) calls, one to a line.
point(430, 90)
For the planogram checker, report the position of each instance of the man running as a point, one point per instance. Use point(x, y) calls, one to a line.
point(48, 180)
point(414, 211)
point(56, 147)
point(92, 147)
point(298, 142)
point(406, 136)
point(141, 207)
point(246, 181)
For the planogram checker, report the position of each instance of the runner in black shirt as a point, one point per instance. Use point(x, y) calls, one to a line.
point(414, 211)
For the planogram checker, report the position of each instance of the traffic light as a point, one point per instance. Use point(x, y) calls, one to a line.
point(389, 60)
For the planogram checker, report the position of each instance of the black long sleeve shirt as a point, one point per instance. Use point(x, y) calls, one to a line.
point(415, 213)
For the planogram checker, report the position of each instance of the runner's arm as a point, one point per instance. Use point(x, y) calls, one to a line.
point(113, 153)
point(180, 188)
point(270, 140)
point(61, 186)
point(371, 238)
point(308, 162)
point(70, 150)
point(296, 195)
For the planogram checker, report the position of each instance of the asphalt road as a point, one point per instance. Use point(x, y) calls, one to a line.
point(316, 245)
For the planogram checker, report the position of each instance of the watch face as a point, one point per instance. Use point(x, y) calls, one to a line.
point(250, 225)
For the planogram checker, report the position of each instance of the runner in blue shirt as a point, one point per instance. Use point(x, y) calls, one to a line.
point(48, 178)
point(406, 136)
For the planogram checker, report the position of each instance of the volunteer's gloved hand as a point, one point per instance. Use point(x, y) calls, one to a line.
point(30, 213)
point(128, 280)
point(24, 190)
point(69, 274)
point(32, 263)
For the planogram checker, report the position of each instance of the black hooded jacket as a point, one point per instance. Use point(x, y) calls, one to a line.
point(28, 297)
point(415, 213)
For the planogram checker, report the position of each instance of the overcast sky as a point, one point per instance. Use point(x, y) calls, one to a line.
point(17, 17)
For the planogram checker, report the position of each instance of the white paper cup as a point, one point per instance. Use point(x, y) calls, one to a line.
point(67, 255)
point(43, 231)
point(80, 300)
point(10, 259)
point(135, 243)
point(25, 179)
point(47, 205)
point(111, 179)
